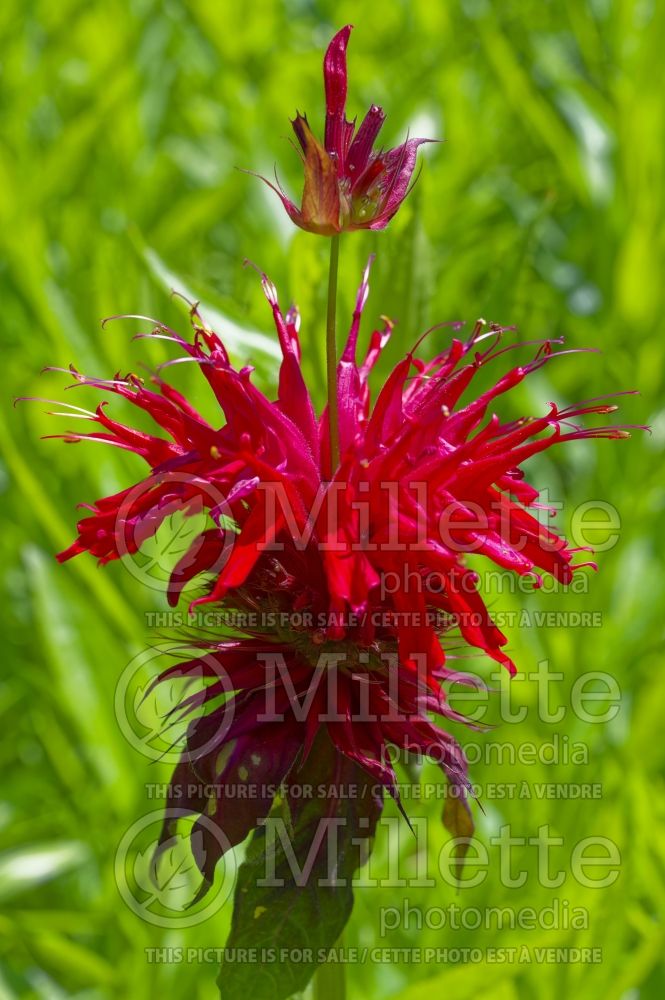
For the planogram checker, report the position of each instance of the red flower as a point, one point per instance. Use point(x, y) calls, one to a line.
point(349, 581)
point(347, 184)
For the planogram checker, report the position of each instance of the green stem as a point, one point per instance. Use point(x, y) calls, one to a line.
point(330, 979)
point(331, 354)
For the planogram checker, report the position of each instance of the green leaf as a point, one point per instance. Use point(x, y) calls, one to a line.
point(291, 924)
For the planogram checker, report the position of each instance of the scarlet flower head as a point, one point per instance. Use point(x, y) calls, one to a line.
point(348, 185)
point(364, 565)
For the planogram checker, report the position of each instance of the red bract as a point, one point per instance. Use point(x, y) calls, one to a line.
point(352, 575)
point(348, 185)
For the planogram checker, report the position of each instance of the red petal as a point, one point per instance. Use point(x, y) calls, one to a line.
point(337, 134)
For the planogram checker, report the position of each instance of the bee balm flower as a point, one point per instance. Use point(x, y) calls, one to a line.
point(353, 581)
point(348, 184)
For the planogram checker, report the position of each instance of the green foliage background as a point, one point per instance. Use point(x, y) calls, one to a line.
point(121, 124)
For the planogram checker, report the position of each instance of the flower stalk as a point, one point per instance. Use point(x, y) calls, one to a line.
point(330, 982)
point(331, 354)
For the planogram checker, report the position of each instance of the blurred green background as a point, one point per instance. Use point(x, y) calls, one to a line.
point(121, 125)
